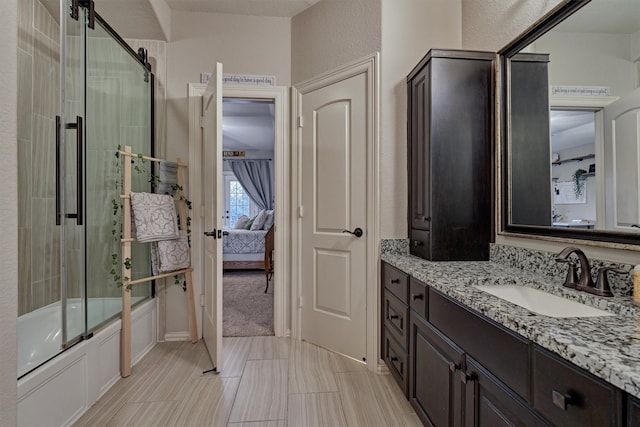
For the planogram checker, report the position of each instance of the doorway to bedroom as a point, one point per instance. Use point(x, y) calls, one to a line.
point(248, 136)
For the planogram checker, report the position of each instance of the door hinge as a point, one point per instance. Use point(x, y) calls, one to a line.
point(202, 211)
point(300, 122)
point(300, 211)
point(201, 300)
point(202, 122)
point(300, 301)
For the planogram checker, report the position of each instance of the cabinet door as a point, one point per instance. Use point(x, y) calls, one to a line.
point(435, 390)
point(489, 403)
point(419, 124)
point(633, 412)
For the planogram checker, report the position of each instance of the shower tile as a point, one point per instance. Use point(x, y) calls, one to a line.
point(46, 78)
point(73, 264)
point(45, 292)
point(24, 183)
point(45, 240)
point(44, 22)
point(25, 25)
point(25, 98)
point(24, 270)
point(43, 157)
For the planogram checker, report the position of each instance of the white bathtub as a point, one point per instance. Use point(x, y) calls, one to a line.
point(60, 391)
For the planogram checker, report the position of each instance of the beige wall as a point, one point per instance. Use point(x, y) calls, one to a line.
point(409, 29)
point(332, 33)
point(245, 45)
point(491, 24)
point(8, 210)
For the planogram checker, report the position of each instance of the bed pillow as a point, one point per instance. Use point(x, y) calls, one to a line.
point(258, 223)
point(241, 222)
point(269, 221)
point(249, 223)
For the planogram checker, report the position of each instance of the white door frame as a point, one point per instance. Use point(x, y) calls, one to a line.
point(281, 277)
point(368, 65)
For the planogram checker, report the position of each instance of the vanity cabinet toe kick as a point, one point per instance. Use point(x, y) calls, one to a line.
point(460, 368)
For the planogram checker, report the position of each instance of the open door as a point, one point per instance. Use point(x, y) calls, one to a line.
point(622, 163)
point(212, 171)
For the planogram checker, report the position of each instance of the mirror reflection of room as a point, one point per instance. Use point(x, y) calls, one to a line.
point(575, 99)
point(573, 148)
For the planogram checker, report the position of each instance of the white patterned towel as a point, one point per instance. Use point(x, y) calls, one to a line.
point(170, 255)
point(155, 217)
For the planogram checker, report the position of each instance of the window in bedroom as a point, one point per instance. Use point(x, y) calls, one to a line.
point(236, 201)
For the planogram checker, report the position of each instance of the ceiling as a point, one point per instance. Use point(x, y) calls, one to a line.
point(137, 19)
point(284, 8)
point(571, 128)
point(247, 125)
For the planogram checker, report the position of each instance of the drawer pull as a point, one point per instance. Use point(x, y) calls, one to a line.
point(454, 366)
point(415, 297)
point(394, 317)
point(395, 280)
point(418, 243)
point(561, 400)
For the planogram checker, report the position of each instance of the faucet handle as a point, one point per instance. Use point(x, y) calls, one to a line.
point(602, 284)
point(571, 281)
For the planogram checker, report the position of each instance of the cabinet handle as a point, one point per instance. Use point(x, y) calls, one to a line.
point(466, 377)
point(393, 317)
point(395, 280)
point(561, 400)
point(454, 366)
point(415, 297)
point(418, 243)
point(426, 218)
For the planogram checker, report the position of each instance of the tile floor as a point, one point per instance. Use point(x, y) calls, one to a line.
point(265, 382)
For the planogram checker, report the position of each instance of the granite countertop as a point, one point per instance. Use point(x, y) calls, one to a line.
point(608, 347)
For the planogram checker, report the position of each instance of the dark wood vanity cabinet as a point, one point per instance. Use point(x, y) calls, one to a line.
point(450, 116)
point(460, 368)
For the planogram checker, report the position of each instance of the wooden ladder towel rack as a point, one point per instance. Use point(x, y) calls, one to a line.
point(126, 240)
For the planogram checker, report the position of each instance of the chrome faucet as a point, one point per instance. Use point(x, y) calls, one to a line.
point(585, 283)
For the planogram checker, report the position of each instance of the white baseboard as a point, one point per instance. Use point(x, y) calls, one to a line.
point(177, 336)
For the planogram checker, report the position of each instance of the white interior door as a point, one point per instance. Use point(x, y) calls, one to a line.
point(212, 176)
point(334, 200)
point(622, 163)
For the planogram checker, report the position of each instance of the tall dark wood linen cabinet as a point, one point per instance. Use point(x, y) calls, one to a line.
point(450, 131)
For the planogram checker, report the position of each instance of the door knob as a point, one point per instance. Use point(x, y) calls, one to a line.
point(216, 234)
point(357, 232)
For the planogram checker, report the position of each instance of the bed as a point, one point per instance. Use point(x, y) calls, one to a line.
point(243, 249)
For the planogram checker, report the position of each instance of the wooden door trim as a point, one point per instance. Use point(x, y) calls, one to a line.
point(281, 278)
point(369, 65)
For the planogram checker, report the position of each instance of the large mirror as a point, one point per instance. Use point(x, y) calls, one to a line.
point(571, 124)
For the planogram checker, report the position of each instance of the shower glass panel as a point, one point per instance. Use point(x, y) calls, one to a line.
point(118, 97)
point(83, 92)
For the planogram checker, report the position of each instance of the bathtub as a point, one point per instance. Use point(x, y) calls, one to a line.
point(62, 389)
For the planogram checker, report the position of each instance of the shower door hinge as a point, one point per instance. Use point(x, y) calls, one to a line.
point(92, 12)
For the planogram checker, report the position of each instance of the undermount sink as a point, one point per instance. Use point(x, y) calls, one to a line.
point(542, 302)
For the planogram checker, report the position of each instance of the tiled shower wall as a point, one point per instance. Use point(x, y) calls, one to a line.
point(38, 88)
point(38, 85)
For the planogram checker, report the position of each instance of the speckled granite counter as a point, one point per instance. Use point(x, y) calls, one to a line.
point(608, 347)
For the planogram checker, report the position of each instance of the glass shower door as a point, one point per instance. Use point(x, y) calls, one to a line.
point(70, 183)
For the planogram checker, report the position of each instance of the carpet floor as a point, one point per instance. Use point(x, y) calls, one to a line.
point(247, 311)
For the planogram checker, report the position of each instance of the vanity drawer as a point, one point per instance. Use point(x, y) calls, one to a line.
point(504, 353)
point(418, 297)
point(420, 243)
point(569, 396)
point(396, 359)
point(396, 316)
point(396, 281)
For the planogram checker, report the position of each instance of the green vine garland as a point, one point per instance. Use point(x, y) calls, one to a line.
point(578, 182)
point(140, 167)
